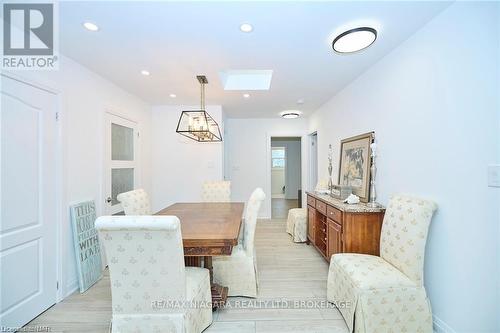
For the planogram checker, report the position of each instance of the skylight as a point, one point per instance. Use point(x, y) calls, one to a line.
point(249, 79)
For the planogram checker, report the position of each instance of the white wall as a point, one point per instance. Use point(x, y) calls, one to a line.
point(433, 104)
point(248, 154)
point(84, 98)
point(181, 165)
point(293, 165)
point(277, 182)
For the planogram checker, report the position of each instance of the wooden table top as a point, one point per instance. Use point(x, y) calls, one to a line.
point(208, 228)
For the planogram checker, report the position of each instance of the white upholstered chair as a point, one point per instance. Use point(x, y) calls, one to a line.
point(147, 274)
point(296, 223)
point(135, 202)
point(216, 191)
point(386, 293)
point(239, 270)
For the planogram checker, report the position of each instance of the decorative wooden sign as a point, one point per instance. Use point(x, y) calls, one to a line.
point(87, 246)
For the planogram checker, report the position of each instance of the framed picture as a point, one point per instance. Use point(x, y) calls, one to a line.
point(355, 159)
point(86, 242)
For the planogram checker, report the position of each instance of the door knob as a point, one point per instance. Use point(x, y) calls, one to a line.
point(108, 200)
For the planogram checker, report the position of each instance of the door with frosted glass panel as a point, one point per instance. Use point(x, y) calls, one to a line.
point(121, 156)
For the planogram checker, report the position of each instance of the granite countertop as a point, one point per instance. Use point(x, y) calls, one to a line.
point(350, 208)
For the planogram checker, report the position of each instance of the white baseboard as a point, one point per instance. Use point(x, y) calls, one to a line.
point(441, 327)
point(71, 287)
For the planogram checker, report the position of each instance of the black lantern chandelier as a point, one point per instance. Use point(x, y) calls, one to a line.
point(198, 125)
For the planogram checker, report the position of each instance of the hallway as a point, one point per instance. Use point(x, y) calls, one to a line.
point(281, 206)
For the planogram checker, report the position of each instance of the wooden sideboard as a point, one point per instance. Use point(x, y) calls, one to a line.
point(336, 227)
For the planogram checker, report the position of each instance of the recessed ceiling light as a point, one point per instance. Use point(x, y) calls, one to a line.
point(246, 95)
point(145, 72)
point(90, 26)
point(354, 40)
point(173, 95)
point(290, 114)
point(246, 27)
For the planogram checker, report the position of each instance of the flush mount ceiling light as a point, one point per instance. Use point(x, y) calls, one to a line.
point(290, 114)
point(90, 26)
point(198, 125)
point(173, 95)
point(246, 27)
point(354, 40)
point(246, 95)
point(145, 72)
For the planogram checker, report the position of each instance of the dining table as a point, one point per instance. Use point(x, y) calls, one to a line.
point(208, 229)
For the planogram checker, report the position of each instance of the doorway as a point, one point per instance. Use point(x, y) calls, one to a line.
point(313, 161)
point(285, 175)
point(121, 160)
point(28, 229)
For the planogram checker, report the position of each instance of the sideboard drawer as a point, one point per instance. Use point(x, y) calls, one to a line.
point(334, 214)
point(321, 207)
point(311, 201)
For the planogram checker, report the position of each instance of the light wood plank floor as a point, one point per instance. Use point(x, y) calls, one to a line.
point(280, 207)
point(287, 271)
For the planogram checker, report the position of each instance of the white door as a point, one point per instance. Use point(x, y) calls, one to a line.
point(313, 163)
point(28, 202)
point(120, 156)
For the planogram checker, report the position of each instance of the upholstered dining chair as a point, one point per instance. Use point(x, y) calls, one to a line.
point(135, 202)
point(296, 222)
point(239, 270)
point(386, 293)
point(151, 289)
point(216, 191)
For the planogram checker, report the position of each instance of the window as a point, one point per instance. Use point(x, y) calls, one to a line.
point(278, 157)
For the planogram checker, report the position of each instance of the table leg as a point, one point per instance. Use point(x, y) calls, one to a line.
point(219, 293)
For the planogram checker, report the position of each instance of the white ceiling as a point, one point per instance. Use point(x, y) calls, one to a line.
point(175, 41)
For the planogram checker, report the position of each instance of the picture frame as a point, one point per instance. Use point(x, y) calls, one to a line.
point(355, 162)
point(86, 243)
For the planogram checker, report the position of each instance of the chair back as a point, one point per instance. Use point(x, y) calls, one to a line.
point(146, 262)
point(135, 202)
point(216, 191)
point(404, 234)
point(251, 214)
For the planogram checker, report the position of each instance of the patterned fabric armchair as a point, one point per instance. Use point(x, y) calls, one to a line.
point(386, 293)
point(216, 191)
point(151, 289)
point(239, 270)
point(135, 202)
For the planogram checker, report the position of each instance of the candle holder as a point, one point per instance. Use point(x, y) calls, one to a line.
point(373, 174)
point(330, 168)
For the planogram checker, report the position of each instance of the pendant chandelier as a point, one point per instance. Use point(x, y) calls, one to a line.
point(198, 125)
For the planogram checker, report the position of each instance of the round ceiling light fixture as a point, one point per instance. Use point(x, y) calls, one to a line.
point(354, 40)
point(246, 95)
point(290, 114)
point(246, 27)
point(90, 26)
point(145, 72)
point(173, 95)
